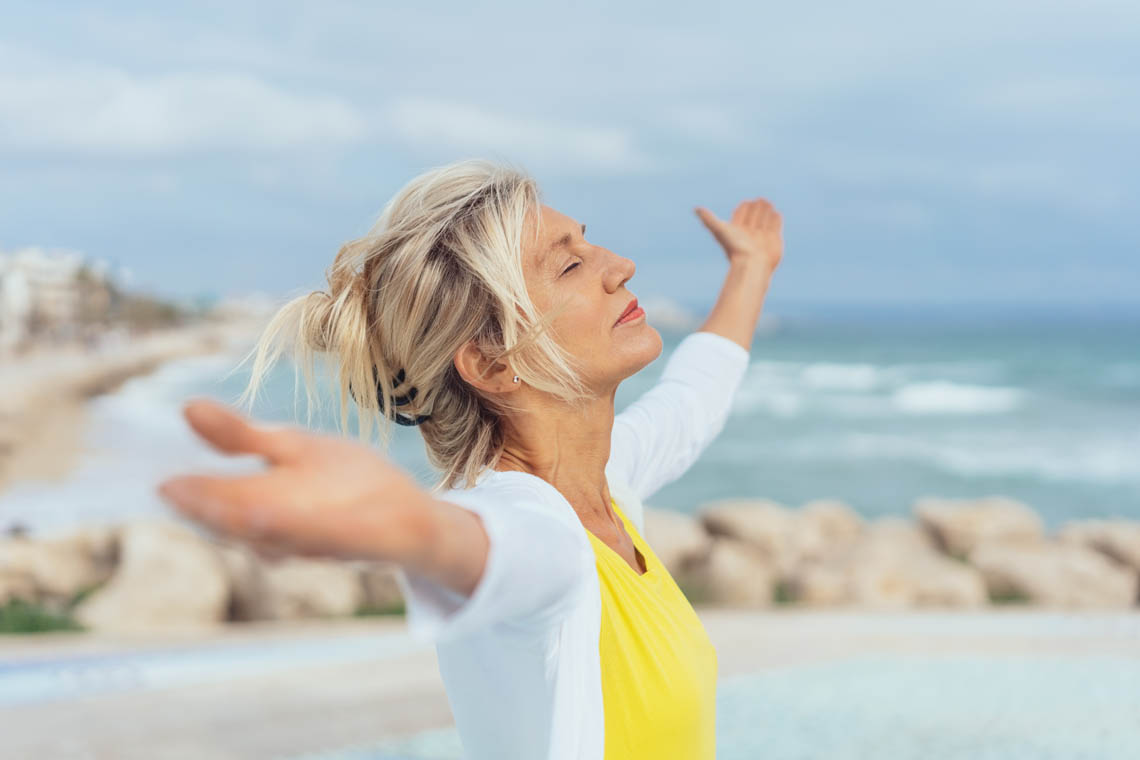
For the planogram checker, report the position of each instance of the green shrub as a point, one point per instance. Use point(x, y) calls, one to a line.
point(395, 608)
point(783, 593)
point(1009, 597)
point(21, 616)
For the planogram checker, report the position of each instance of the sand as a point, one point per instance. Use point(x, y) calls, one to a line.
point(281, 690)
point(43, 395)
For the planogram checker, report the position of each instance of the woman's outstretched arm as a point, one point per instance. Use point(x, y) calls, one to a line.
point(469, 560)
point(753, 243)
point(659, 436)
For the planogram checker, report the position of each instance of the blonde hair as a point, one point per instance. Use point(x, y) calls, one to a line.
point(442, 265)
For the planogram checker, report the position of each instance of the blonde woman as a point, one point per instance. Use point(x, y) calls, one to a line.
point(492, 323)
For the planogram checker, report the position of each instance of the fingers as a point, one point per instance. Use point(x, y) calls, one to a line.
point(235, 506)
point(708, 217)
point(231, 433)
point(710, 220)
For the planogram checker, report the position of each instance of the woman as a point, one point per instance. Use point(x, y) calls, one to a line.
point(487, 319)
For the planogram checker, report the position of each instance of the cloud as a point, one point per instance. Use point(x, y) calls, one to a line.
point(109, 111)
point(551, 144)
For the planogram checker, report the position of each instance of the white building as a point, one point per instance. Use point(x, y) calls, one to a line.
point(42, 294)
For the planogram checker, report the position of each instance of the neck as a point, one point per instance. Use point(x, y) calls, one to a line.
point(569, 449)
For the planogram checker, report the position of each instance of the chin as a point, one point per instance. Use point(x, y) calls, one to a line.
point(644, 349)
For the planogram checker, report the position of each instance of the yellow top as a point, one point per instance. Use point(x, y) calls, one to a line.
point(658, 666)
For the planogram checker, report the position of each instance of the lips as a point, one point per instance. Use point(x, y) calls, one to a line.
point(629, 307)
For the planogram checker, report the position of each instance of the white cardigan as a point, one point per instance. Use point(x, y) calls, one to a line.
point(519, 657)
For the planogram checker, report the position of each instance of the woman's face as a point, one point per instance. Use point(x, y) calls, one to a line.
point(591, 281)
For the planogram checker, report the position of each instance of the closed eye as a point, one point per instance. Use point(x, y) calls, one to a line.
point(571, 267)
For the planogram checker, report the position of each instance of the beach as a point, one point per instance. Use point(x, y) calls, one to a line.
point(44, 395)
point(353, 689)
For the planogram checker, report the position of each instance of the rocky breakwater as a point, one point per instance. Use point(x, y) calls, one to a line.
point(154, 575)
point(954, 553)
point(159, 574)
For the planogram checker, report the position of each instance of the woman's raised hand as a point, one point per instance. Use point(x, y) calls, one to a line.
point(320, 496)
point(753, 235)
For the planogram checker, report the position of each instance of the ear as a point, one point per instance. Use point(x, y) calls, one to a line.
point(470, 362)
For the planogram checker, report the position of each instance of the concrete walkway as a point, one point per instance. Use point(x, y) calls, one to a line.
point(271, 690)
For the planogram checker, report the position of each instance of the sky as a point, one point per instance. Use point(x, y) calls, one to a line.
point(924, 155)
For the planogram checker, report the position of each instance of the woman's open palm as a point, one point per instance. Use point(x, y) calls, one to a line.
point(753, 234)
point(321, 496)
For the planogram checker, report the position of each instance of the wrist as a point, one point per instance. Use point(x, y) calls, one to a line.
point(747, 267)
point(402, 528)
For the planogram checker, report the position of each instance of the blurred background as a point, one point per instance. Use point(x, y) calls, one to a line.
point(937, 440)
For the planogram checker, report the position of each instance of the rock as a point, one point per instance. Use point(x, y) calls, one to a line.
point(837, 522)
point(1056, 574)
point(16, 584)
point(892, 564)
point(58, 568)
point(898, 534)
point(381, 590)
point(732, 574)
point(270, 587)
point(1116, 539)
point(961, 524)
point(769, 528)
point(677, 539)
point(938, 581)
point(822, 584)
point(821, 527)
point(785, 537)
point(248, 589)
point(168, 577)
point(302, 587)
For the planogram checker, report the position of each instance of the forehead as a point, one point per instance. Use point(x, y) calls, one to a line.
point(552, 225)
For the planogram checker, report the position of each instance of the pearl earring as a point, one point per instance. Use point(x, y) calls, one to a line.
point(516, 379)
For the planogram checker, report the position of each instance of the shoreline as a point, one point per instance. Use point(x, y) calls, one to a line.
point(44, 394)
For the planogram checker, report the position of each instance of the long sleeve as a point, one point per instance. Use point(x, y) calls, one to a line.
point(659, 436)
point(534, 569)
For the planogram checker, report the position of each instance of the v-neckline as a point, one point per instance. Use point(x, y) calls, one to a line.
point(636, 549)
point(621, 515)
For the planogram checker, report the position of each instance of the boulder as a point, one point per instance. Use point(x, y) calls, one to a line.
point(732, 574)
point(821, 527)
point(677, 539)
point(770, 529)
point(888, 567)
point(1055, 574)
point(380, 588)
point(834, 521)
point(55, 569)
point(785, 537)
point(168, 576)
point(896, 534)
point(248, 590)
point(958, 525)
point(16, 584)
point(1116, 539)
point(938, 581)
point(302, 587)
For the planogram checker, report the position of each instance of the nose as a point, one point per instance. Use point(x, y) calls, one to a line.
point(618, 272)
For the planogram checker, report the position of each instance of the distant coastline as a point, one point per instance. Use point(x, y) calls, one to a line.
point(43, 393)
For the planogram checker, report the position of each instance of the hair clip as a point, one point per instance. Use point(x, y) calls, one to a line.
point(397, 417)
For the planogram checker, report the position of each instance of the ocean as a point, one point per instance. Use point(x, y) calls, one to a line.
point(877, 409)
